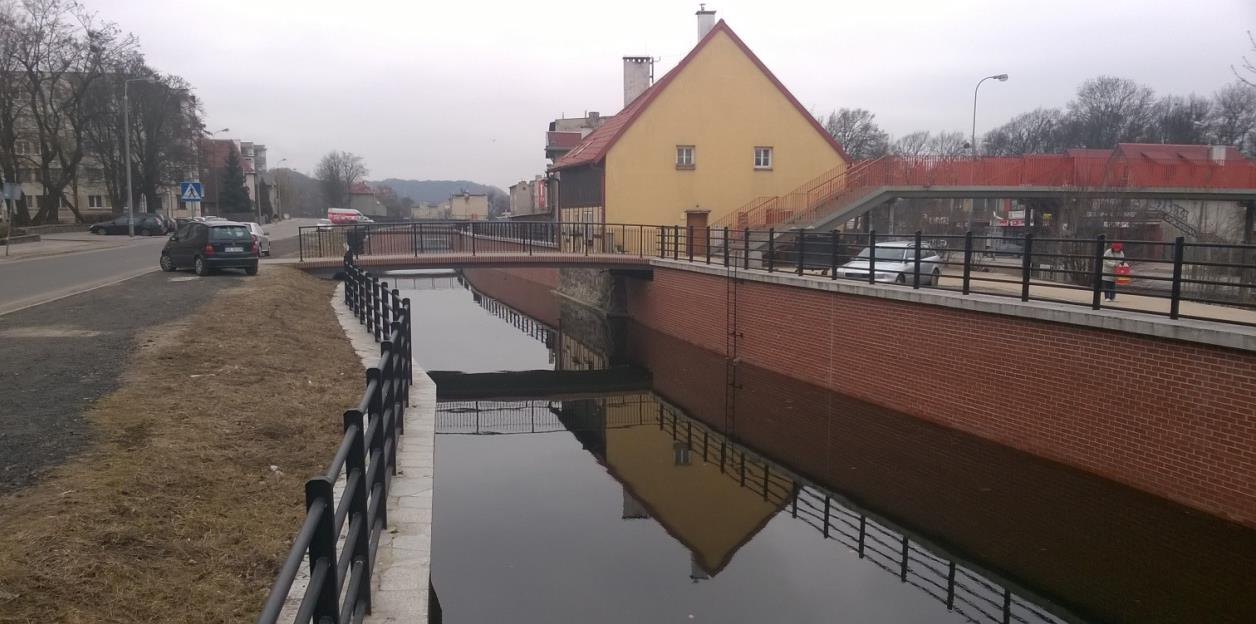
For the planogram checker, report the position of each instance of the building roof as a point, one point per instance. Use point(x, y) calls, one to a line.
point(361, 189)
point(595, 146)
point(562, 138)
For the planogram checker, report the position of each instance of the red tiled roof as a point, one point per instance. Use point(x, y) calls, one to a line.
point(559, 138)
point(595, 146)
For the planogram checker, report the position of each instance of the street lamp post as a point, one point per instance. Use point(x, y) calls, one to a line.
point(126, 139)
point(1000, 78)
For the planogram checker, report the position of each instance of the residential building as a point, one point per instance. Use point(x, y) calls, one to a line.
point(429, 211)
point(715, 132)
point(257, 181)
point(468, 206)
point(362, 198)
point(567, 132)
point(527, 199)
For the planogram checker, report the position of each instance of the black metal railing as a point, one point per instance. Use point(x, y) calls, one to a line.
point(1178, 279)
point(340, 535)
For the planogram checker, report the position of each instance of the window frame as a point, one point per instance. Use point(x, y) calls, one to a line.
point(771, 157)
point(692, 152)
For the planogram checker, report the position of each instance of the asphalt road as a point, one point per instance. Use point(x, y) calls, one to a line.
point(62, 356)
point(35, 280)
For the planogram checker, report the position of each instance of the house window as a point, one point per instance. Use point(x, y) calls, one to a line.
point(25, 148)
point(95, 201)
point(762, 158)
point(684, 157)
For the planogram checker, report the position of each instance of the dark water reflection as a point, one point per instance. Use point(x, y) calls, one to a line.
point(664, 503)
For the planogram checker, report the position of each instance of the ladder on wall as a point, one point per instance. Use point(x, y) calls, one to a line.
point(732, 339)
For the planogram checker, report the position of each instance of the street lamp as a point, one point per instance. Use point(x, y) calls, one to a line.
point(1000, 78)
point(126, 138)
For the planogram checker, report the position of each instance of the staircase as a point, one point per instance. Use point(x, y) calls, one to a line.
point(817, 197)
point(1178, 216)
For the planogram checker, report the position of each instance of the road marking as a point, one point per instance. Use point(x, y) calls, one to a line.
point(71, 291)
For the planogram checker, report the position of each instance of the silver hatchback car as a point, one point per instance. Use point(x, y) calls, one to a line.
point(895, 264)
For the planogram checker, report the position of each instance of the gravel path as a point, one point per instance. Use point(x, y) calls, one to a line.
point(61, 356)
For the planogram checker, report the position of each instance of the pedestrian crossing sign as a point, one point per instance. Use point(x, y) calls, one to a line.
point(190, 191)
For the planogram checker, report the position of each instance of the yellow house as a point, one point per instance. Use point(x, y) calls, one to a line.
point(715, 132)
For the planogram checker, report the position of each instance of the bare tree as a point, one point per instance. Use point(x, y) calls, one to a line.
point(1181, 120)
point(857, 132)
point(62, 51)
point(1246, 71)
point(948, 144)
point(337, 172)
point(12, 101)
point(1233, 117)
point(1035, 132)
point(1110, 110)
point(914, 144)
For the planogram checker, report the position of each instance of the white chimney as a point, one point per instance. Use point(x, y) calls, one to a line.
point(1217, 154)
point(638, 76)
point(706, 21)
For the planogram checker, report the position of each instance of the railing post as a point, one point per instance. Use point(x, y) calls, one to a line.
point(414, 238)
point(915, 278)
point(746, 249)
point(1097, 286)
point(802, 249)
point(323, 548)
point(385, 310)
point(837, 243)
point(771, 249)
point(689, 241)
point(527, 238)
point(375, 444)
point(872, 256)
point(727, 244)
point(675, 242)
point(473, 238)
point(408, 328)
point(662, 242)
point(377, 297)
point(1027, 264)
point(1175, 296)
point(707, 248)
point(301, 244)
point(355, 463)
point(968, 260)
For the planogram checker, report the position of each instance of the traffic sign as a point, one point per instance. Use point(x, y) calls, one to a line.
point(190, 191)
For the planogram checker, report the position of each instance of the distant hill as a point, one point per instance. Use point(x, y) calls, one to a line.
point(435, 190)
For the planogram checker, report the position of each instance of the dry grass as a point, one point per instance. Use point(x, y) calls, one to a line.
point(175, 515)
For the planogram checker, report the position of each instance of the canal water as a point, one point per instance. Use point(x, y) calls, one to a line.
point(592, 470)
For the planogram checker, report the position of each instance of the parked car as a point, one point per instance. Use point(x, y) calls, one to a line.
point(145, 225)
point(895, 263)
point(325, 225)
point(261, 237)
point(209, 246)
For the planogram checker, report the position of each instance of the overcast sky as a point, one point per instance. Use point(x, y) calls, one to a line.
point(464, 89)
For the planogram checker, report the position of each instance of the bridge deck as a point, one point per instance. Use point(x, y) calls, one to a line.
point(483, 259)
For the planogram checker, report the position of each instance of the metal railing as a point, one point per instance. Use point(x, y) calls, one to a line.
point(1179, 279)
point(339, 588)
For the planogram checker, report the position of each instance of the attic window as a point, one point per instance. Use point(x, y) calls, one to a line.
point(763, 158)
point(684, 157)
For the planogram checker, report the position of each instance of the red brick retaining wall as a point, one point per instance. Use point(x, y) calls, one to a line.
point(1173, 418)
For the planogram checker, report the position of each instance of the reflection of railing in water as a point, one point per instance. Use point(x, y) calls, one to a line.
point(960, 588)
point(526, 324)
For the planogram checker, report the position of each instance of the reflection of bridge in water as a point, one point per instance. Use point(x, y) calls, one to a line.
point(621, 429)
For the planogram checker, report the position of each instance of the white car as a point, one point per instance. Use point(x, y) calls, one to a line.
point(896, 263)
point(324, 225)
point(261, 237)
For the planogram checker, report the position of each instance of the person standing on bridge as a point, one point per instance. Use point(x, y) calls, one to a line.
point(1112, 258)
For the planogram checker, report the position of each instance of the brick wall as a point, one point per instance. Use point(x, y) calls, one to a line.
point(1172, 418)
point(1071, 536)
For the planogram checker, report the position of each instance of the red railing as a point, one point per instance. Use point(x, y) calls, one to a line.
point(838, 188)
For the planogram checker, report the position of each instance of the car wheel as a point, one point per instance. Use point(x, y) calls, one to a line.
point(252, 270)
point(937, 277)
point(901, 279)
point(98, 231)
point(202, 269)
point(167, 264)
